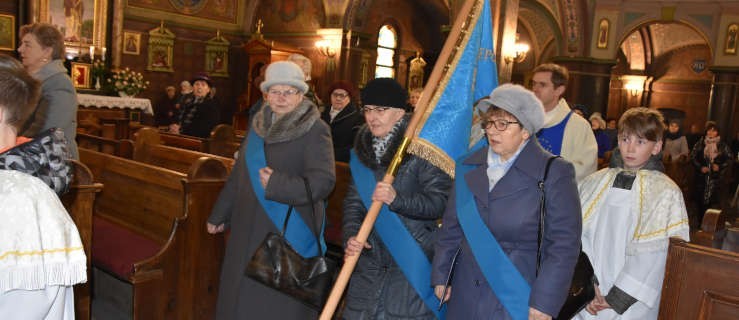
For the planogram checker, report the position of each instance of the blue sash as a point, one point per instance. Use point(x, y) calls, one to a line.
point(506, 281)
point(300, 237)
point(406, 252)
point(551, 138)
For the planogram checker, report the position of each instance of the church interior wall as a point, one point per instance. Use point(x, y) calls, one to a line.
point(420, 28)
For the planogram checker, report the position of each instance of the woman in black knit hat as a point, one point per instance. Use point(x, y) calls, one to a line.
point(403, 237)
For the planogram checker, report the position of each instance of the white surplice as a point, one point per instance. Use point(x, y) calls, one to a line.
point(625, 234)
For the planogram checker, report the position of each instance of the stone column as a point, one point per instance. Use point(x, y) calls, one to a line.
point(589, 82)
point(724, 96)
point(506, 24)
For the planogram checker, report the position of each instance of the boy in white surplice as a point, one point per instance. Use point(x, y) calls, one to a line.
point(629, 212)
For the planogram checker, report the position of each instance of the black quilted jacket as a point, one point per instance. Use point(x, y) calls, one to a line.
point(44, 157)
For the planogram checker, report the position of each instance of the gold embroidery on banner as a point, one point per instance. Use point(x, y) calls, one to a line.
point(37, 252)
point(420, 147)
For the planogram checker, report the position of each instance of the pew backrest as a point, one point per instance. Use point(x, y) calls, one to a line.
point(148, 149)
point(700, 283)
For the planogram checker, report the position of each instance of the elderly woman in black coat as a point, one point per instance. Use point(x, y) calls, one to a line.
point(344, 118)
point(392, 276)
point(287, 143)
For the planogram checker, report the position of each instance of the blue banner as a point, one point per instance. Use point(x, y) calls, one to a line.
point(446, 125)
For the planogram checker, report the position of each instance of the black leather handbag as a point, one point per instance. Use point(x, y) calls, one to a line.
point(582, 288)
point(277, 265)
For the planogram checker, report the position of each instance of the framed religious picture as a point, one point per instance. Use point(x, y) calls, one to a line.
point(7, 32)
point(131, 42)
point(82, 22)
point(603, 27)
point(160, 49)
point(81, 74)
point(731, 34)
point(216, 56)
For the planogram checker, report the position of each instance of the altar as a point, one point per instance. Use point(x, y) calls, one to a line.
point(96, 101)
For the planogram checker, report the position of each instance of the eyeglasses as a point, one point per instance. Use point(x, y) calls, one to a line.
point(286, 93)
point(378, 110)
point(339, 95)
point(500, 124)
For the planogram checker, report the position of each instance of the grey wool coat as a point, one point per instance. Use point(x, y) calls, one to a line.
point(57, 107)
point(296, 145)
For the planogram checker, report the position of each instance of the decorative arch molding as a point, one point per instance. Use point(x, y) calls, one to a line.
point(643, 28)
point(548, 31)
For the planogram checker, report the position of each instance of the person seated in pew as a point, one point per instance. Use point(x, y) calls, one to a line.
point(630, 211)
point(167, 108)
point(200, 114)
point(45, 155)
point(41, 254)
point(286, 144)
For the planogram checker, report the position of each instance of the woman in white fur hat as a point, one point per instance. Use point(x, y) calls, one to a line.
point(287, 143)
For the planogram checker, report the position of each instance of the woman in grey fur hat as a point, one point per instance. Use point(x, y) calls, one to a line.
point(287, 145)
point(497, 199)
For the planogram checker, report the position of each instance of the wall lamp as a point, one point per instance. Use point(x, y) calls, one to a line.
point(520, 50)
point(633, 88)
point(330, 41)
point(633, 84)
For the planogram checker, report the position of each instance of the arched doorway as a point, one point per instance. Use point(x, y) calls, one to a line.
point(663, 66)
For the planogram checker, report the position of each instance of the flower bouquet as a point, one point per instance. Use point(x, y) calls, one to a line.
point(127, 82)
point(99, 72)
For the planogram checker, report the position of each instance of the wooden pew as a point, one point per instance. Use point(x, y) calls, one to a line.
point(122, 148)
point(181, 141)
point(222, 141)
point(79, 203)
point(149, 230)
point(700, 283)
point(711, 233)
point(148, 148)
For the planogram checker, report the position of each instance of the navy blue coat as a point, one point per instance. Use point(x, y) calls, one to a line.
point(511, 212)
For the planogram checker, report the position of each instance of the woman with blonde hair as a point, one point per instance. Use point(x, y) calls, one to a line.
point(41, 51)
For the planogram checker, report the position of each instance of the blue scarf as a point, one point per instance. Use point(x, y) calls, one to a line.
point(300, 237)
point(404, 249)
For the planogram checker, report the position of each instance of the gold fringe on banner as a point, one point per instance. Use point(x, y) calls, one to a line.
point(437, 157)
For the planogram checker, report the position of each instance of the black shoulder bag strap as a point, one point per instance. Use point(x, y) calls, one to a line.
point(313, 217)
point(542, 213)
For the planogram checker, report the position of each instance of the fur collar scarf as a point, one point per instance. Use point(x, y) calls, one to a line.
point(363, 145)
point(290, 126)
